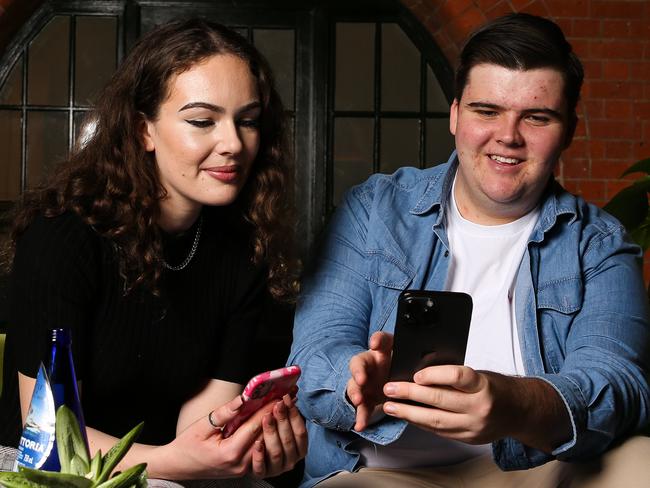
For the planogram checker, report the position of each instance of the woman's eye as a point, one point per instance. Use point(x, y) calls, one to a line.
point(201, 123)
point(249, 123)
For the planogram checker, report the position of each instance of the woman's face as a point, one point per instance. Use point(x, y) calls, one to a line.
point(205, 138)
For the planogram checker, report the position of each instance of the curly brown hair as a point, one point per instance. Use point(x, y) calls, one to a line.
point(113, 183)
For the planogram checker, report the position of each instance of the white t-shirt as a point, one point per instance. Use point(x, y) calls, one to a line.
point(484, 263)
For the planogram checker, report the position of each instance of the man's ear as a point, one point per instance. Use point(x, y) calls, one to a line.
point(145, 129)
point(453, 116)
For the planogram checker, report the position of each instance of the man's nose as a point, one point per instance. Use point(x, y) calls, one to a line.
point(508, 132)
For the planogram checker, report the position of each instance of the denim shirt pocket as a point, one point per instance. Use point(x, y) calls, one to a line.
point(558, 302)
point(389, 276)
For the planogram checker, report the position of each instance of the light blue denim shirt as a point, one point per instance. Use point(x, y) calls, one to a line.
point(581, 308)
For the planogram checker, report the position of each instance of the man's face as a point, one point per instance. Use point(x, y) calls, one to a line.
point(510, 128)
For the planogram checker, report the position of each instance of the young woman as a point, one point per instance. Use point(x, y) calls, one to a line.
point(156, 244)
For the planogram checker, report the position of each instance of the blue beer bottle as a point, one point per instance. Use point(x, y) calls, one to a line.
point(37, 447)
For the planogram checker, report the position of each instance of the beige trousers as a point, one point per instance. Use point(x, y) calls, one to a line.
point(626, 466)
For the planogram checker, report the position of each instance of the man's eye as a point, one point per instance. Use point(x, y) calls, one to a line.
point(539, 119)
point(201, 123)
point(487, 113)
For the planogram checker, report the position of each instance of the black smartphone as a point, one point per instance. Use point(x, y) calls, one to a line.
point(431, 328)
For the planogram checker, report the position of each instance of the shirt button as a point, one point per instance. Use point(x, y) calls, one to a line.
point(338, 443)
point(446, 254)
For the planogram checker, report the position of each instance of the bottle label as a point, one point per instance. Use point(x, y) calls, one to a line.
point(38, 436)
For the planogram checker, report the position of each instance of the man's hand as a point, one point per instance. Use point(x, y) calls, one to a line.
point(478, 407)
point(369, 373)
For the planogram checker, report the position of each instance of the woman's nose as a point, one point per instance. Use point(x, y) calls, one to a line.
point(229, 140)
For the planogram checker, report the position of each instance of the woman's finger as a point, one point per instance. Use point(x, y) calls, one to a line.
point(272, 445)
point(297, 426)
point(212, 424)
point(286, 434)
point(258, 460)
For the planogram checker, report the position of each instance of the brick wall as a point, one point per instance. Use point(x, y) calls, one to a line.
point(612, 38)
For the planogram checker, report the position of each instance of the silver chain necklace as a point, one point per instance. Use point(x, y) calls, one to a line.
point(189, 257)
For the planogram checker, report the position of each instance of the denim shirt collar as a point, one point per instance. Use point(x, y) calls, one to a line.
point(555, 201)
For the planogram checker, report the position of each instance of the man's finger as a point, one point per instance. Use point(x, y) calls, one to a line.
point(381, 341)
point(462, 378)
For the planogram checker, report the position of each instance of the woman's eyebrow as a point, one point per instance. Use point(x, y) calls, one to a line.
point(216, 108)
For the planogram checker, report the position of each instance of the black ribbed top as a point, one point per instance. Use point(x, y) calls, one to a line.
point(138, 357)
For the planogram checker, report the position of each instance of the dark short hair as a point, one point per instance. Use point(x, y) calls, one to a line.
point(522, 42)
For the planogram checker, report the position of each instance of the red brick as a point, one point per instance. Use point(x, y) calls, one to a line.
point(640, 70)
point(564, 8)
point(592, 191)
point(616, 70)
point(566, 25)
point(616, 89)
point(579, 148)
point(617, 9)
point(571, 186)
point(612, 129)
point(616, 49)
point(594, 108)
point(619, 150)
point(586, 28)
point(538, 7)
point(640, 29)
point(453, 8)
point(501, 8)
point(582, 48)
point(597, 148)
point(486, 4)
point(614, 186)
point(462, 26)
point(608, 169)
point(575, 168)
point(519, 4)
point(616, 28)
point(422, 11)
point(593, 69)
point(618, 109)
point(641, 150)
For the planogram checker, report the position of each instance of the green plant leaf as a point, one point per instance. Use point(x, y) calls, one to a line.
point(641, 235)
point(10, 479)
point(117, 452)
point(125, 478)
point(78, 466)
point(642, 166)
point(630, 206)
point(55, 480)
point(69, 441)
point(96, 465)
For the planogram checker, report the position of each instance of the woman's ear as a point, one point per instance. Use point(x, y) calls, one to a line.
point(146, 130)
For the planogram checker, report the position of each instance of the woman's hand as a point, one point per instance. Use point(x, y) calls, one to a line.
point(284, 440)
point(200, 451)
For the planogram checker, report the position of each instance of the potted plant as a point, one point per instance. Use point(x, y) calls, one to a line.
point(77, 469)
point(630, 205)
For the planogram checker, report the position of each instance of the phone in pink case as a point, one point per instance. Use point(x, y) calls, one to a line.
point(262, 389)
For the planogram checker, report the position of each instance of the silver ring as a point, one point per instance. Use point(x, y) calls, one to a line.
point(218, 427)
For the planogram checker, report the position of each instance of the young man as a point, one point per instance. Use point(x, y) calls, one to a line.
point(557, 357)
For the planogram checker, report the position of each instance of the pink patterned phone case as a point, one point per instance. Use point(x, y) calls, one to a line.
point(262, 389)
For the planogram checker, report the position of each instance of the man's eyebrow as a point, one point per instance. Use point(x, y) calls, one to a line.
point(532, 110)
point(218, 109)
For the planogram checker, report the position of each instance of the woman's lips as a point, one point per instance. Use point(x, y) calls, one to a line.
point(226, 174)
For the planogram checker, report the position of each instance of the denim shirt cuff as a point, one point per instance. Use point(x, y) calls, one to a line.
point(575, 405)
